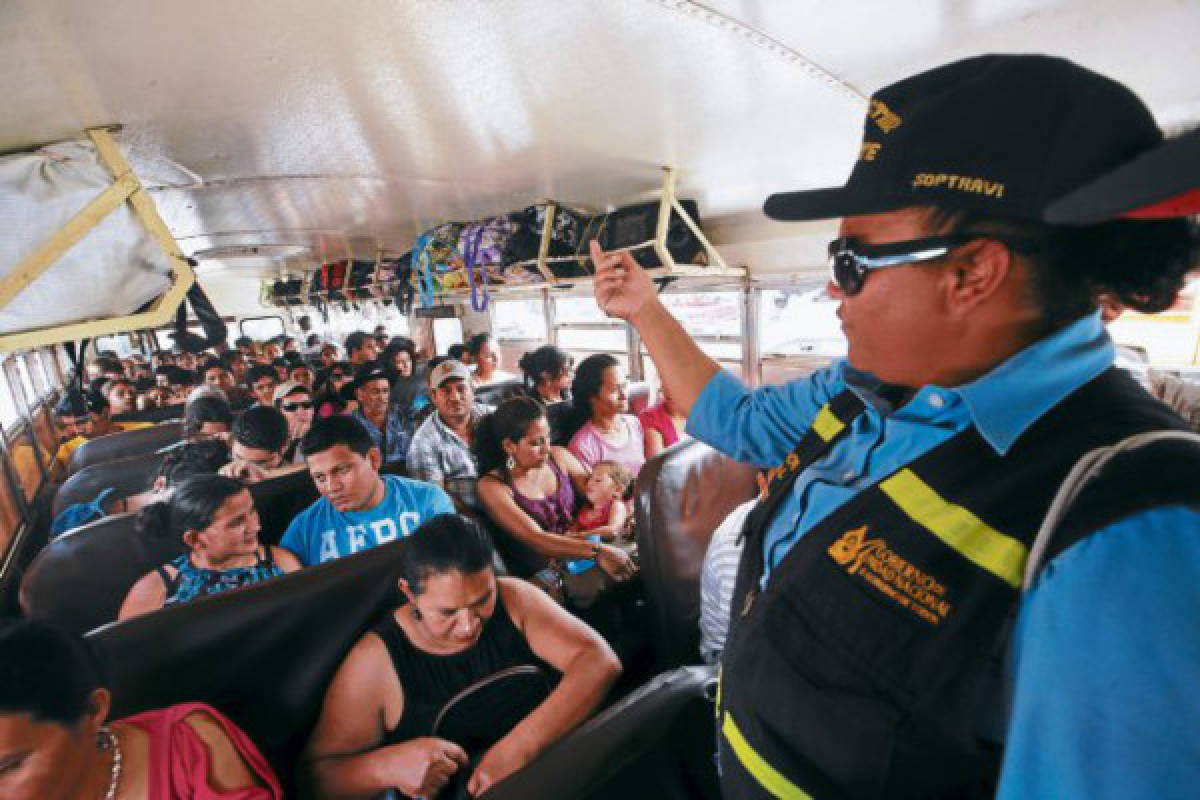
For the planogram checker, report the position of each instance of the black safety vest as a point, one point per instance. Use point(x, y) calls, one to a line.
point(865, 666)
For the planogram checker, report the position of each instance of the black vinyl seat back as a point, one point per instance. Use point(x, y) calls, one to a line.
point(80, 579)
point(126, 475)
point(125, 444)
point(656, 744)
point(496, 393)
point(263, 655)
point(682, 495)
point(161, 414)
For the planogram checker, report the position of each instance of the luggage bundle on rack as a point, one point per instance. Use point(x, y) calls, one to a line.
point(542, 243)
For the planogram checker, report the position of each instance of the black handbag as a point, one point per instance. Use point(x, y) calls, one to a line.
point(634, 225)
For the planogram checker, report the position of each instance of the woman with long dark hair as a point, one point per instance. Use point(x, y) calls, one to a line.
point(605, 432)
point(215, 517)
point(528, 488)
point(548, 372)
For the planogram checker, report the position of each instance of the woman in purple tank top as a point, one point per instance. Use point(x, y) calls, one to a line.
point(528, 488)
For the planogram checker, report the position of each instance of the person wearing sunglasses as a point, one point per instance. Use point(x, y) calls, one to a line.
point(295, 400)
point(899, 626)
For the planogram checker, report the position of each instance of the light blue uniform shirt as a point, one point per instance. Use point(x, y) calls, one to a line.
point(322, 533)
point(1095, 709)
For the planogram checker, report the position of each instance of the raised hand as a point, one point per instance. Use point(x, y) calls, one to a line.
point(623, 289)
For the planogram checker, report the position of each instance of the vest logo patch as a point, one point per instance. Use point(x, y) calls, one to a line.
point(886, 571)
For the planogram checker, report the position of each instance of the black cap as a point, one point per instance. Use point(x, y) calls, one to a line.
point(1162, 183)
point(1001, 134)
point(76, 404)
point(365, 373)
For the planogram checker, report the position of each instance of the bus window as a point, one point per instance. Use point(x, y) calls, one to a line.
point(261, 329)
point(10, 516)
point(612, 340)
point(122, 344)
point(445, 333)
point(10, 414)
point(1167, 339)
point(582, 329)
point(798, 332)
point(519, 326)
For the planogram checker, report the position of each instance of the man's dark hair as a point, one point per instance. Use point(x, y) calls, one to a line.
point(293, 357)
point(46, 672)
point(332, 431)
point(262, 427)
point(355, 341)
point(1141, 262)
point(193, 458)
point(444, 543)
point(243, 341)
point(206, 408)
point(107, 364)
point(437, 361)
point(260, 371)
point(71, 404)
point(476, 343)
point(227, 359)
point(454, 351)
point(178, 376)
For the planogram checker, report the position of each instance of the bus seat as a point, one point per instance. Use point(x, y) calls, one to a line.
point(126, 475)
point(163, 414)
point(263, 655)
point(279, 500)
point(80, 579)
point(496, 393)
point(641, 396)
point(124, 445)
point(657, 743)
point(682, 495)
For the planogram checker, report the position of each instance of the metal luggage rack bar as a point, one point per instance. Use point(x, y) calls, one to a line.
point(126, 188)
point(668, 201)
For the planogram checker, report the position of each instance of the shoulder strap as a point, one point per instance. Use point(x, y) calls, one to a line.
point(1084, 472)
point(171, 583)
point(831, 424)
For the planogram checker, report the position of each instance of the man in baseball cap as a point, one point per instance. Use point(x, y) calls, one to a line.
point(899, 627)
point(383, 421)
point(441, 449)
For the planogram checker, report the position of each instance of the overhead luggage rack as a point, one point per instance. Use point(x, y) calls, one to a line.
point(126, 188)
point(668, 203)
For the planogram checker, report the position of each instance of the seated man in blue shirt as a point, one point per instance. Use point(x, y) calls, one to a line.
point(900, 627)
point(358, 508)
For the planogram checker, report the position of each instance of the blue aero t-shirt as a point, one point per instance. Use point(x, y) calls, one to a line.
point(321, 533)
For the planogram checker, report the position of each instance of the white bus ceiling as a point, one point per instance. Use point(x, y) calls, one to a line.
point(310, 129)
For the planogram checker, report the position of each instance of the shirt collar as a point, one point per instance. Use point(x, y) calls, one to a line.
point(1005, 402)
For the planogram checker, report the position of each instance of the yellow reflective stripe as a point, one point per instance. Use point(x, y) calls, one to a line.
point(998, 553)
point(767, 776)
point(827, 425)
point(717, 705)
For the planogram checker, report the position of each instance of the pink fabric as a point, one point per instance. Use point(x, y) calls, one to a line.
point(589, 447)
point(656, 418)
point(179, 760)
point(593, 517)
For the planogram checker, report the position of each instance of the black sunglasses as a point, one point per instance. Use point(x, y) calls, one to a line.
point(850, 261)
point(299, 404)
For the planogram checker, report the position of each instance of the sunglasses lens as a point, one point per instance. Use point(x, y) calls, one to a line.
point(847, 273)
point(297, 406)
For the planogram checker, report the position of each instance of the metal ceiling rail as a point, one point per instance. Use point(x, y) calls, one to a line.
point(128, 188)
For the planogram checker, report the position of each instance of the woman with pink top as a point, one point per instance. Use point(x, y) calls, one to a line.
point(609, 434)
point(663, 425)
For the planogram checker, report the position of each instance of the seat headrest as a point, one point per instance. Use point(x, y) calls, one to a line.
point(682, 495)
point(126, 475)
point(581, 764)
point(263, 655)
point(125, 444)
point(496, 393)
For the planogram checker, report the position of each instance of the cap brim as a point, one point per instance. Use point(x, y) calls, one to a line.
point(1160, 183)
point(833, 203)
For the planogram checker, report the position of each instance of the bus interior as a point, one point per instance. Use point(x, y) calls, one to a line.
point(295, 159)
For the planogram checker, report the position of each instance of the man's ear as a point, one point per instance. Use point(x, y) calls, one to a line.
point(978, 272)
point(375, 457)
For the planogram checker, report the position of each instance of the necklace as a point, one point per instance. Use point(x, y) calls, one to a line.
point(111, 742)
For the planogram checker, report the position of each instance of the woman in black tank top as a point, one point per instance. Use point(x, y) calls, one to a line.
point(439, 689)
